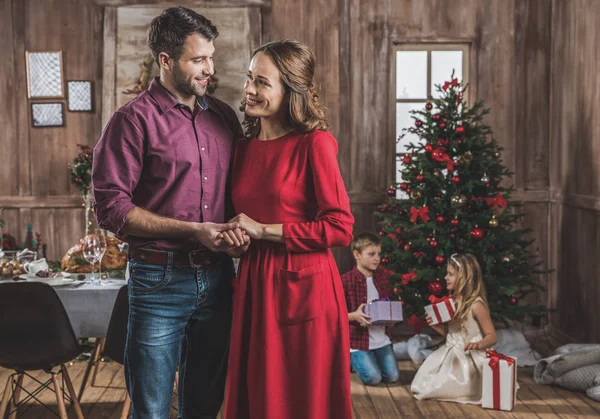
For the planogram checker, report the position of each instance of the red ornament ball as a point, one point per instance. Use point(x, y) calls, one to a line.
point(420, 178)
point(382, 233)
point(436, 117)
point(455, 179)
point(454, 221)
point(418, 123)
point(406, 159)
point(391, 192)
point(435, 288)
point(442, 124)
point(395, 290)
point(460, 129)
point(439, 219)
point(451, 235)
point(439, 259)
point(433, 243)
point(428, 106)
point(513, 300)
point(404, 186)
point(428, 148)
point(407, 247)
point(385, 260)
point(477, 233)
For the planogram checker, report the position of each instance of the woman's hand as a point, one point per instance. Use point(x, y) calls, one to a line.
point(473, 346)
point(237, 252)
point(252, 228)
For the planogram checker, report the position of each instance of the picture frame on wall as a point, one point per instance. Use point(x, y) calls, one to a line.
point(80, 95)
point(47, 115)
point(44, 74)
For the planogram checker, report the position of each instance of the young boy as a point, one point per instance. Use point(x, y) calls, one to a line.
point(371, 354)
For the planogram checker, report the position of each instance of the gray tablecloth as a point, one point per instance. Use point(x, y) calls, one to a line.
point(89, 306)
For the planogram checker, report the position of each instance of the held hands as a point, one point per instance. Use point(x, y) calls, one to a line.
point(252, 228)
point(221, 237)
point(360, 316)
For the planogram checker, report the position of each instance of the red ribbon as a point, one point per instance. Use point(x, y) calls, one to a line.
point(446, 300)
point(416, 213)
point(439, 154)
point(450, 83)
point(406, 278)
point(416, 323)
point(497, 202)
point(495, 359)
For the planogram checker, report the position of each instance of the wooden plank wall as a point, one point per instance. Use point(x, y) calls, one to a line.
point(534, 63)
point(575, 172)
point(35, 184)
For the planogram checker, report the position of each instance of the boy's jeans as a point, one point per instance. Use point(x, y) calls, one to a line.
point(374, 365)
point(178, 316)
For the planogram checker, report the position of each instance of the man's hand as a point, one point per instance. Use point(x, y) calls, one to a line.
point(216, 237)
point(252, 228)
point(360, 316)
point(237, 237)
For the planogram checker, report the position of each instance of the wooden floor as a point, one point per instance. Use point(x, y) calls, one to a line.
point(382, 401)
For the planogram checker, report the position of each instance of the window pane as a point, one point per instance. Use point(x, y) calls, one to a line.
point(404, 120)
point(400, 194)
point(442, 64)
point(411, 74)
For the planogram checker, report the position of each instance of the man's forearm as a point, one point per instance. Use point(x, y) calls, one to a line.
point(142, 223)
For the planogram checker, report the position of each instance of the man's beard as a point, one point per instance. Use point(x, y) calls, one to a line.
point(185, 86)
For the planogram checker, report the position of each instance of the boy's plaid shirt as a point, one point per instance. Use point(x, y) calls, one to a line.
point(355, 291)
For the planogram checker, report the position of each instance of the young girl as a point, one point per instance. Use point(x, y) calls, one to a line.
point(453, 372)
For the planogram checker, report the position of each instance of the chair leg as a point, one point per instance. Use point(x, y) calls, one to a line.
point(13, 404)
point(74, 399)
point(100, 344)
point(60, 401)
point(126, 406)
point(91, 363)
point(6, 396)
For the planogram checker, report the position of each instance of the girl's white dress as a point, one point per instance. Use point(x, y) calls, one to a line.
point(450, 373)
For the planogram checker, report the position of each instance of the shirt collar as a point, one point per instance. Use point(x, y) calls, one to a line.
point(166, 101)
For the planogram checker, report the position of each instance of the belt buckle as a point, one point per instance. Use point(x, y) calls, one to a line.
point(191, 259)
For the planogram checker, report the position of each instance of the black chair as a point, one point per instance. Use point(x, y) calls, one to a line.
point(113, 346)
point(36, 334)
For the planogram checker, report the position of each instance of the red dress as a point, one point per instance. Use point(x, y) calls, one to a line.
point(289, 351)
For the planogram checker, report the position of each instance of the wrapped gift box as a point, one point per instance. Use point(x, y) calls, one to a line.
point(441, 310)
point(384, 312)
point(499, 382)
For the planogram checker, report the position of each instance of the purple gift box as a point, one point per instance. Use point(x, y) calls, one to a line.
point(384, 312)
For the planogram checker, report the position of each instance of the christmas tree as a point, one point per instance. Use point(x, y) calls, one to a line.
point(456, 202)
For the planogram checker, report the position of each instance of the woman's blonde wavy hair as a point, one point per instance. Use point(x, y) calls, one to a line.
point(468, 286)
point(296, 65)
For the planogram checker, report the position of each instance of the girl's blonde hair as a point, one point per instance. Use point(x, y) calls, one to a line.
point(468, 286)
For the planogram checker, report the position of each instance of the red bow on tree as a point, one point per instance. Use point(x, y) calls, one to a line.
point(439, 154)
point(416, 213)
point(450, 83)
point(497, 202)
point(406, 278)
point(416, 323)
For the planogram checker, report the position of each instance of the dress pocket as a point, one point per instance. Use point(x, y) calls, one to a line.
point(298, 294)
point(146, 278)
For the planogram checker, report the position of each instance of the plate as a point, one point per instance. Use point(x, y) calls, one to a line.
point(53, 282)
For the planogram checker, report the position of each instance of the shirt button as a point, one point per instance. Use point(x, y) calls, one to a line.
point(206, 206)
point(202, 149)
point(205, 177)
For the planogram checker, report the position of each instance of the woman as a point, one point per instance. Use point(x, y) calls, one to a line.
point(289, 354)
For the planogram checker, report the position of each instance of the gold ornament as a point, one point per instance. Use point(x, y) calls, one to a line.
point(415, 194)
point(462, 200)
point(436, 173)
point(467, 157)
point(455, 200)
point(497, 155)
point(485, 179)
point(507, 258)
point(493, 221)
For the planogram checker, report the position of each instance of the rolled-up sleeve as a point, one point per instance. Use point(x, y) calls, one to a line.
point(116, 169)
point(333, 224)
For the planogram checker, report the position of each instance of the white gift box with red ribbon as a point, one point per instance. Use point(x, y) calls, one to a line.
point(441, 310)
point(499, 382)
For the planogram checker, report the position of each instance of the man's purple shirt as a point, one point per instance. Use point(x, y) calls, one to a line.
point(157, 154)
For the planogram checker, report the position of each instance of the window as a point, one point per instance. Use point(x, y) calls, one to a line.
point(418, 68)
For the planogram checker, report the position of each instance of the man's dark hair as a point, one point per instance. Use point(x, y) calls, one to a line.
point(168, 31)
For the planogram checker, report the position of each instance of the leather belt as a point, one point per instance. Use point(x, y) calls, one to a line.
point(195, 259)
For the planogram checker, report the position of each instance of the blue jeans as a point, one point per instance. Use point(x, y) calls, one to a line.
point(178, 316)
point(374, 365)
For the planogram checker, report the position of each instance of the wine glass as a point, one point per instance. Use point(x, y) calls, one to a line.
point(91, 252)
point(101, 250)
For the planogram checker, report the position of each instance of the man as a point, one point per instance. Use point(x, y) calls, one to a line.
point(160, 174)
